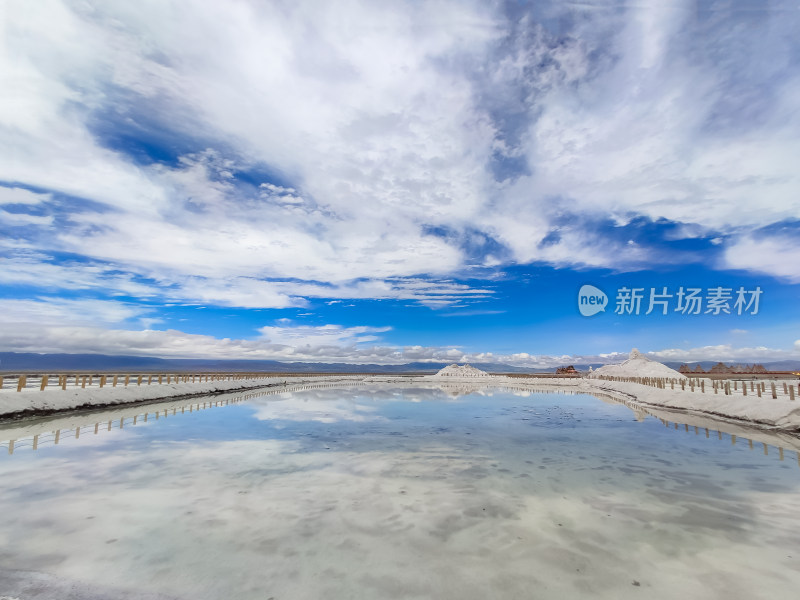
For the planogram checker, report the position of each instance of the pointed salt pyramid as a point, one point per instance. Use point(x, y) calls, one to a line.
point(637, 365)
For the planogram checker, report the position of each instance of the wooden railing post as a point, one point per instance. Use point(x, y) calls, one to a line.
point(21, 382)
point(44, 383)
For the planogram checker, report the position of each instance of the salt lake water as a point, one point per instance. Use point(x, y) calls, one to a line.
point(396, 492)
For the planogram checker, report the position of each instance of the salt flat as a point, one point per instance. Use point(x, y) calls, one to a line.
point(398, 491)
point(780, 413)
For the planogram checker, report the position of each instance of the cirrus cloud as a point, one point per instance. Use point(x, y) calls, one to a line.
point(389, 124)
point(266, 155)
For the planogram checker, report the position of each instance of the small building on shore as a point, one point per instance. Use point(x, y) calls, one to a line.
point(570, 370)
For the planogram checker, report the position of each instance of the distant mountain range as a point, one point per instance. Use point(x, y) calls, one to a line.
point(17, 361)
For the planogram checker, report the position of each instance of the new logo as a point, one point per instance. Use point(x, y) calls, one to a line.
point(591, 300)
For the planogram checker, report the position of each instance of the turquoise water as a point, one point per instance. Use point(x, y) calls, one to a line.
point(396, 493)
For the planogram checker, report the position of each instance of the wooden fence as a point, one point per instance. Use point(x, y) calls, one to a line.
point(95, 425)
point(728, 386)
point(54, 437)
point(35, 441)
point(44, 381)
point(733, 438)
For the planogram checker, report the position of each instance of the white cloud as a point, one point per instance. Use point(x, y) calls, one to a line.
point(725, 353)
point(107, 327)
point(15, 195)
point(301, 336)
point(23, 199)
point(370, 199)
point(21, 219)
point(778, 256)
point(384, 123)
point(322, 408)
point(639, 137)
point(661, 128)
point(39, 270)
point(33, 314)
point(148, 322)
point(51, 66)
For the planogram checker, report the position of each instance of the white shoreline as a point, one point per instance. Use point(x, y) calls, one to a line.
point(779, 414)
point(765, 412)
point(53, 399)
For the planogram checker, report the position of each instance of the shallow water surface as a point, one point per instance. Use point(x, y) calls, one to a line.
point(392, 492)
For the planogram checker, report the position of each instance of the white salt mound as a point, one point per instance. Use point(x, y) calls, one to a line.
point(461, 371)
point(637, 365)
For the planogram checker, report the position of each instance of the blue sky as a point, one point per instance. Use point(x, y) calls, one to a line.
point(363, 182)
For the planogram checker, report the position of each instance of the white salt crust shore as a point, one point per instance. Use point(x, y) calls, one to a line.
point(779, 414)
point(32, 401)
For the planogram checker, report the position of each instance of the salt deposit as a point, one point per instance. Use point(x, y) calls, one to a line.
point(32, 400)
point(491, 497)
point(461, 371)
point(637, 365)
point(780, 413)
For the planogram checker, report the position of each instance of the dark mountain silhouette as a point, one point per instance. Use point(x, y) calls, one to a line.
point(16, 361)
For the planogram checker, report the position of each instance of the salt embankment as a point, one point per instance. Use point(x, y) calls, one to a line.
point(780, 413)
point(32, 401)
